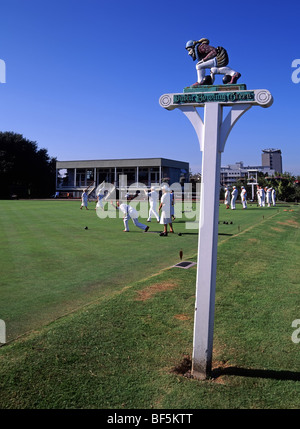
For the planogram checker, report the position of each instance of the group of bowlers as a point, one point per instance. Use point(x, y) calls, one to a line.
point(164, 214)
point(265, 196)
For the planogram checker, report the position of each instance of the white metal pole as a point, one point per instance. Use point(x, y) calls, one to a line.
point(208, 241)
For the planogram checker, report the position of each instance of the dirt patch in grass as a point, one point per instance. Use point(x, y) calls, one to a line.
point(184, 368)
point(150, 291)
point(253, 240)
point(290, 222)
point(182, 317)
point(274, 228)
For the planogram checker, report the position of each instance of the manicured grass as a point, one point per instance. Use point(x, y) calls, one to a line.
point(127, 349)
point(52, 265)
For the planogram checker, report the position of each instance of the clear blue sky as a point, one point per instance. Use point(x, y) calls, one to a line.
point(83, 77)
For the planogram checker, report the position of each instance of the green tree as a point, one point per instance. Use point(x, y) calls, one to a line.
point(286, 185)
point(194, 179)
point(25, 170)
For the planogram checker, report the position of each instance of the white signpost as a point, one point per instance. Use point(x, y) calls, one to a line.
point(212, 133)
point(252, 181)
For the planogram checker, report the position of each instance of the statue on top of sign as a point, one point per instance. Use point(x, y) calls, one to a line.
point(215, 59)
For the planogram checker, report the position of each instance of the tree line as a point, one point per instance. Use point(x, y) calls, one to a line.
point(29, 172)
point(286, 185)
point(25, 170)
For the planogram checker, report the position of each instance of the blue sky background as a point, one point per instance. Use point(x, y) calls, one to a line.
point(84, 77)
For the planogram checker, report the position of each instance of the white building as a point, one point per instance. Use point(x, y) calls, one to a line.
point(233, 172)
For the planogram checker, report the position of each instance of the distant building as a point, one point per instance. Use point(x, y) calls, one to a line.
point(234, 172)
point(74, 176)
point(272, 158)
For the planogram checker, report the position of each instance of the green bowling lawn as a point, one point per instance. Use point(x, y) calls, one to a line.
point(51, 265)
point(97, 318)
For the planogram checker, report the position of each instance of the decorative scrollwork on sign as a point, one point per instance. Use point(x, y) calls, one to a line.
point(165, 100)
point(263, 97)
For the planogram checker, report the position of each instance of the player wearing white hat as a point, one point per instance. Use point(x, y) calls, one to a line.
point(258, 194)
point(84, 199)
point(227, 198)
point(130, 213)
point(244, 197)
point(100, 197)
point(269, 196)
point(153, 199)
point(262, 197)
point(234, 195)
point(165, 207)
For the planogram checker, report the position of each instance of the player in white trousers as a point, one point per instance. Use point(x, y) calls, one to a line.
point(273, 197)
point(269, 196)
point(244, 197)
point(84, 198)
point(100, 198)
point(234, 195)
point(262, 197)
point(258, 194)
point(165, 207)
point(130, 213)
point(227, 198)
point(153, 200)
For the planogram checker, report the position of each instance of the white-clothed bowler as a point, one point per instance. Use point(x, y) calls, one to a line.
point(100, 201)
point(262, 197)
point(258, 197)
point(244, 198)
point(273, 197)
point(166, 209)
point(227, 197)
point(234, 195)
point(130, 213)
point(84, 199)
point(153, 200)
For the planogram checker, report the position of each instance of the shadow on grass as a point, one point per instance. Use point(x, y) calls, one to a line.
point(185, 367)
point(256, 373)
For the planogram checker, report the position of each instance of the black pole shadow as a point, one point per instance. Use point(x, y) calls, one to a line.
point(185, 368)
point(255, 373)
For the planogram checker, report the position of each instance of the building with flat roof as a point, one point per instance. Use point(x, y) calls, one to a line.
point(234, 172)
point(272, 158)
point(74, 176)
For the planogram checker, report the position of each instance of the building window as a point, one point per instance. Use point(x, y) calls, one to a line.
point(80, 177)
point(143, 175)
point(90, 175)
